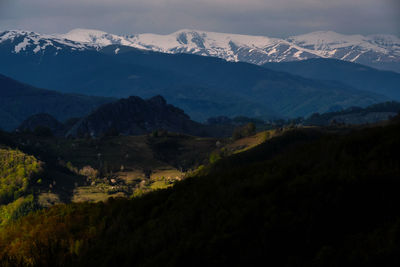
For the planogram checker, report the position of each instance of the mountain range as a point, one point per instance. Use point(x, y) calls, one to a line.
point(202, 86)
point(379, 51)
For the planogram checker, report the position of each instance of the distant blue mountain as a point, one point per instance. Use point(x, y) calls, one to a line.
point(358, 76)
point(202, 86)
point(19, 101)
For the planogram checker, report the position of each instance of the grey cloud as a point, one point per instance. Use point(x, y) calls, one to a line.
point(265, 17)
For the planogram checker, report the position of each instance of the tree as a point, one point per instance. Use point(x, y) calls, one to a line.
point(89, 172)
point(43, 131)
point(244, 131)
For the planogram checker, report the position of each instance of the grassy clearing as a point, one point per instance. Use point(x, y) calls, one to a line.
point(250, 142)
point(161, 185)
point(131, 177)
point(93, 194)
point(160, 175)
point(47, 200)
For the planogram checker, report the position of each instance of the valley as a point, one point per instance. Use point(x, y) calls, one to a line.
point(94, 169)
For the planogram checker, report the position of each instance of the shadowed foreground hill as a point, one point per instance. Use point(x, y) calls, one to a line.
point(306, 198)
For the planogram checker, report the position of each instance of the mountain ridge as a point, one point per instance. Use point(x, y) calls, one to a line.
point(378, 50)
point(202, 86)
point(353, 74)
point(18, 101)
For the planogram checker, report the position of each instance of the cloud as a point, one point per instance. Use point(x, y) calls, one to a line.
point(266, 17)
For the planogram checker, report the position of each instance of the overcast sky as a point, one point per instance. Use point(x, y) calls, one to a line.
point(275, 18)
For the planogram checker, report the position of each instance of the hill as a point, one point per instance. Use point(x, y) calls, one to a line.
point(17, 172)
point(42, 123)
point(358, 76)
point(304, 198)
point(356, 115)
point(28, 180)
point(135, 116)
point(18, 101)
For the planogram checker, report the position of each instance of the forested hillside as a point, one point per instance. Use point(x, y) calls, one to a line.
point(304, 198)
point(17, 172)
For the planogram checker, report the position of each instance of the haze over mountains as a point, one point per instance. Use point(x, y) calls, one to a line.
point(380, 51)
point(359, 76)
point(19, 101)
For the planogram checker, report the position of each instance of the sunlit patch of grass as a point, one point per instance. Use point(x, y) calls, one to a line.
point(166, 175)
point(250, 142)
point(47, 200)
point(131, 177)
point(161, 185)
point(94, 194)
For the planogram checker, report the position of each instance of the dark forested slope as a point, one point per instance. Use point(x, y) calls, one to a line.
point(306, 198)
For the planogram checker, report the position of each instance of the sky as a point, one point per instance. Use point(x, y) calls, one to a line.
point(275, 18)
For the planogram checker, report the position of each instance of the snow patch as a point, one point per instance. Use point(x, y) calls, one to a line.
point(21, 46)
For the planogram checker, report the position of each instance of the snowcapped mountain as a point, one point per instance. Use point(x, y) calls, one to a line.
point(31, 42)
point(94, 38)
point(368, 50)
point(382, 51)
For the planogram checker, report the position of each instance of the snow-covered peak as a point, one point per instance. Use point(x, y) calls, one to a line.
point(223, 45)
point(385, 39)
point(26, 41)
point(82, 35)
point(350, 47)
point(12, 34)
point(329, 39)
point(212, 39)
point(93, 37)
point(322, 39)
